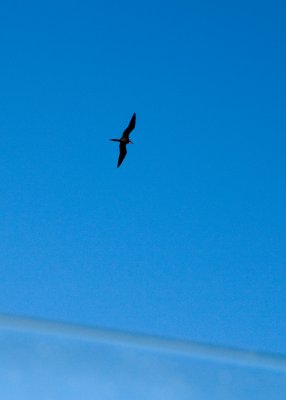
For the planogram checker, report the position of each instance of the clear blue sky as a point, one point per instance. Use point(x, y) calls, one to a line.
point(187, 238)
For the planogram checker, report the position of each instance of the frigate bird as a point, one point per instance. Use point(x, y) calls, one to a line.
point(124, 140)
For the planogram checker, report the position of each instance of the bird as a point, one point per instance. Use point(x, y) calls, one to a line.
point(124, 140)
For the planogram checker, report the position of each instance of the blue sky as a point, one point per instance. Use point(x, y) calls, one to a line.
point(186, 238)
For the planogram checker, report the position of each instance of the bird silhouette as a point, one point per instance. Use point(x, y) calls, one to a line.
point(124, 140)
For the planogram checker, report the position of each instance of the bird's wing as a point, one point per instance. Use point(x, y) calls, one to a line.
point(122, 154)
point(130, 127)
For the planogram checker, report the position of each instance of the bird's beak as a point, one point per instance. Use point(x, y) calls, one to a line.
point(131, 142)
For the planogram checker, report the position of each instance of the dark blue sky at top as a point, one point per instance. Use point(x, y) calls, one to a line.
point(187, 238)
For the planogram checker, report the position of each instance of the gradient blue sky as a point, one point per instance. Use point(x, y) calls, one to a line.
point(187, 238)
